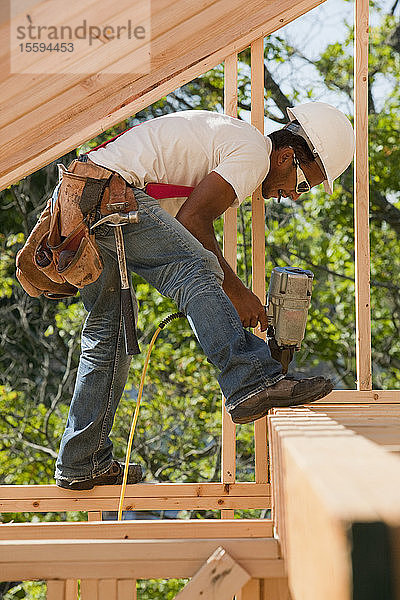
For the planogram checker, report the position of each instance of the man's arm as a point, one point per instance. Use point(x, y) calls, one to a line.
point(210, 199)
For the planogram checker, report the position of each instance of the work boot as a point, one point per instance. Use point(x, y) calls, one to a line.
point(286, 392)
point(113, 476)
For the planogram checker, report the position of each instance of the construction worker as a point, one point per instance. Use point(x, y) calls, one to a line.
point(174, 248)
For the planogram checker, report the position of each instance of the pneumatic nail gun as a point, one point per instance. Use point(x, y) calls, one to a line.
point(288, 301)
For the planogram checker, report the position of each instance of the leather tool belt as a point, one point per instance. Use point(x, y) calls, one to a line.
point(60, 255)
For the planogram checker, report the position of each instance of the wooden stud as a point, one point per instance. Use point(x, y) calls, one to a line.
point(258, 238)
point(250, 591)
point(275, 589)
point(218, 579)
point(126, 589)
point(55, 590)
point(228, 461)
point(258, 205)
point(71, 589)
point(89, 589)
point(230, 86)
point(107, 589)
point(361, 197)
point(261, 450)
point(94, 515)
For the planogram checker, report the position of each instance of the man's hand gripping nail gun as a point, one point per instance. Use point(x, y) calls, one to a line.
point(288, 301)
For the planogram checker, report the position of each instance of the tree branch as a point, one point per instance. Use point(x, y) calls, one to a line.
point(278, 96)
point(386, 210)
point(374, 283)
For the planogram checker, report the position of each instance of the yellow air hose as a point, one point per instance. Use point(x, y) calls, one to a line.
point(161, 326)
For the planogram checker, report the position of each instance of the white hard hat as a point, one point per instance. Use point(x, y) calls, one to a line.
point(328, 133)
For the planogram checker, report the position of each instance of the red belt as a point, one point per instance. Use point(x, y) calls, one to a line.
point(168, 190)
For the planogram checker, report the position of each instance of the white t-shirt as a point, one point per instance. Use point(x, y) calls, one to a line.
point(183, 147)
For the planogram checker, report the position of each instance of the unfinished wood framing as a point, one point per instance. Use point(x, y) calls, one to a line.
point(258, 238)
point(141, 496)
point(228, 459)
point(108, 589)
point(71, 589)
point(336, 505)
point(361, 397)
point(93, 589)
point(379, 424)
point(55, 590)
point(361, 197)
point(137, 530)
point(131, 559)
point(251, 590)
point(53, 114)
point(218, 579)
point(265, 589)
point(94, 515)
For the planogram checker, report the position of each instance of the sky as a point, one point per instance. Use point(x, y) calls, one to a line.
point(311, 33)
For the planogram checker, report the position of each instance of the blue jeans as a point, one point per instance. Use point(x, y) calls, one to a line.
point(171, 259)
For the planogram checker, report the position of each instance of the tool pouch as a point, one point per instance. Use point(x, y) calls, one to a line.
point(60, 254)
point(75, 254)
point(41, 280)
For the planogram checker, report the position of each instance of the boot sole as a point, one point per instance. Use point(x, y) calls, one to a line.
point(89, 484)
point(285, 404)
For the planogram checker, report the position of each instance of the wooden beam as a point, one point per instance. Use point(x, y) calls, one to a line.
point(126, 589)
point(95, 515)
point(142, 496)
point(75, 122)
point(55, 590)
point(378, 423)
point(107, 589)
point(336, 505)
point(71, 589)
point(228, 460)
point(89, 589)
point(250, 591)
point(258, 239)
point(174, 496)
point(361, 197)
point(218, 579)
point(275, 589)
point(141, 490)
point(136, 530)
point(131, 559)
point(360, 397)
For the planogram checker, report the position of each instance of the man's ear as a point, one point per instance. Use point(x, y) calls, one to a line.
point(285, 155)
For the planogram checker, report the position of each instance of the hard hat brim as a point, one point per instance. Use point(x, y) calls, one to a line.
point(328, 186)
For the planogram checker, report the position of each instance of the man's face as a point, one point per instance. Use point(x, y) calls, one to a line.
point(282, 178)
